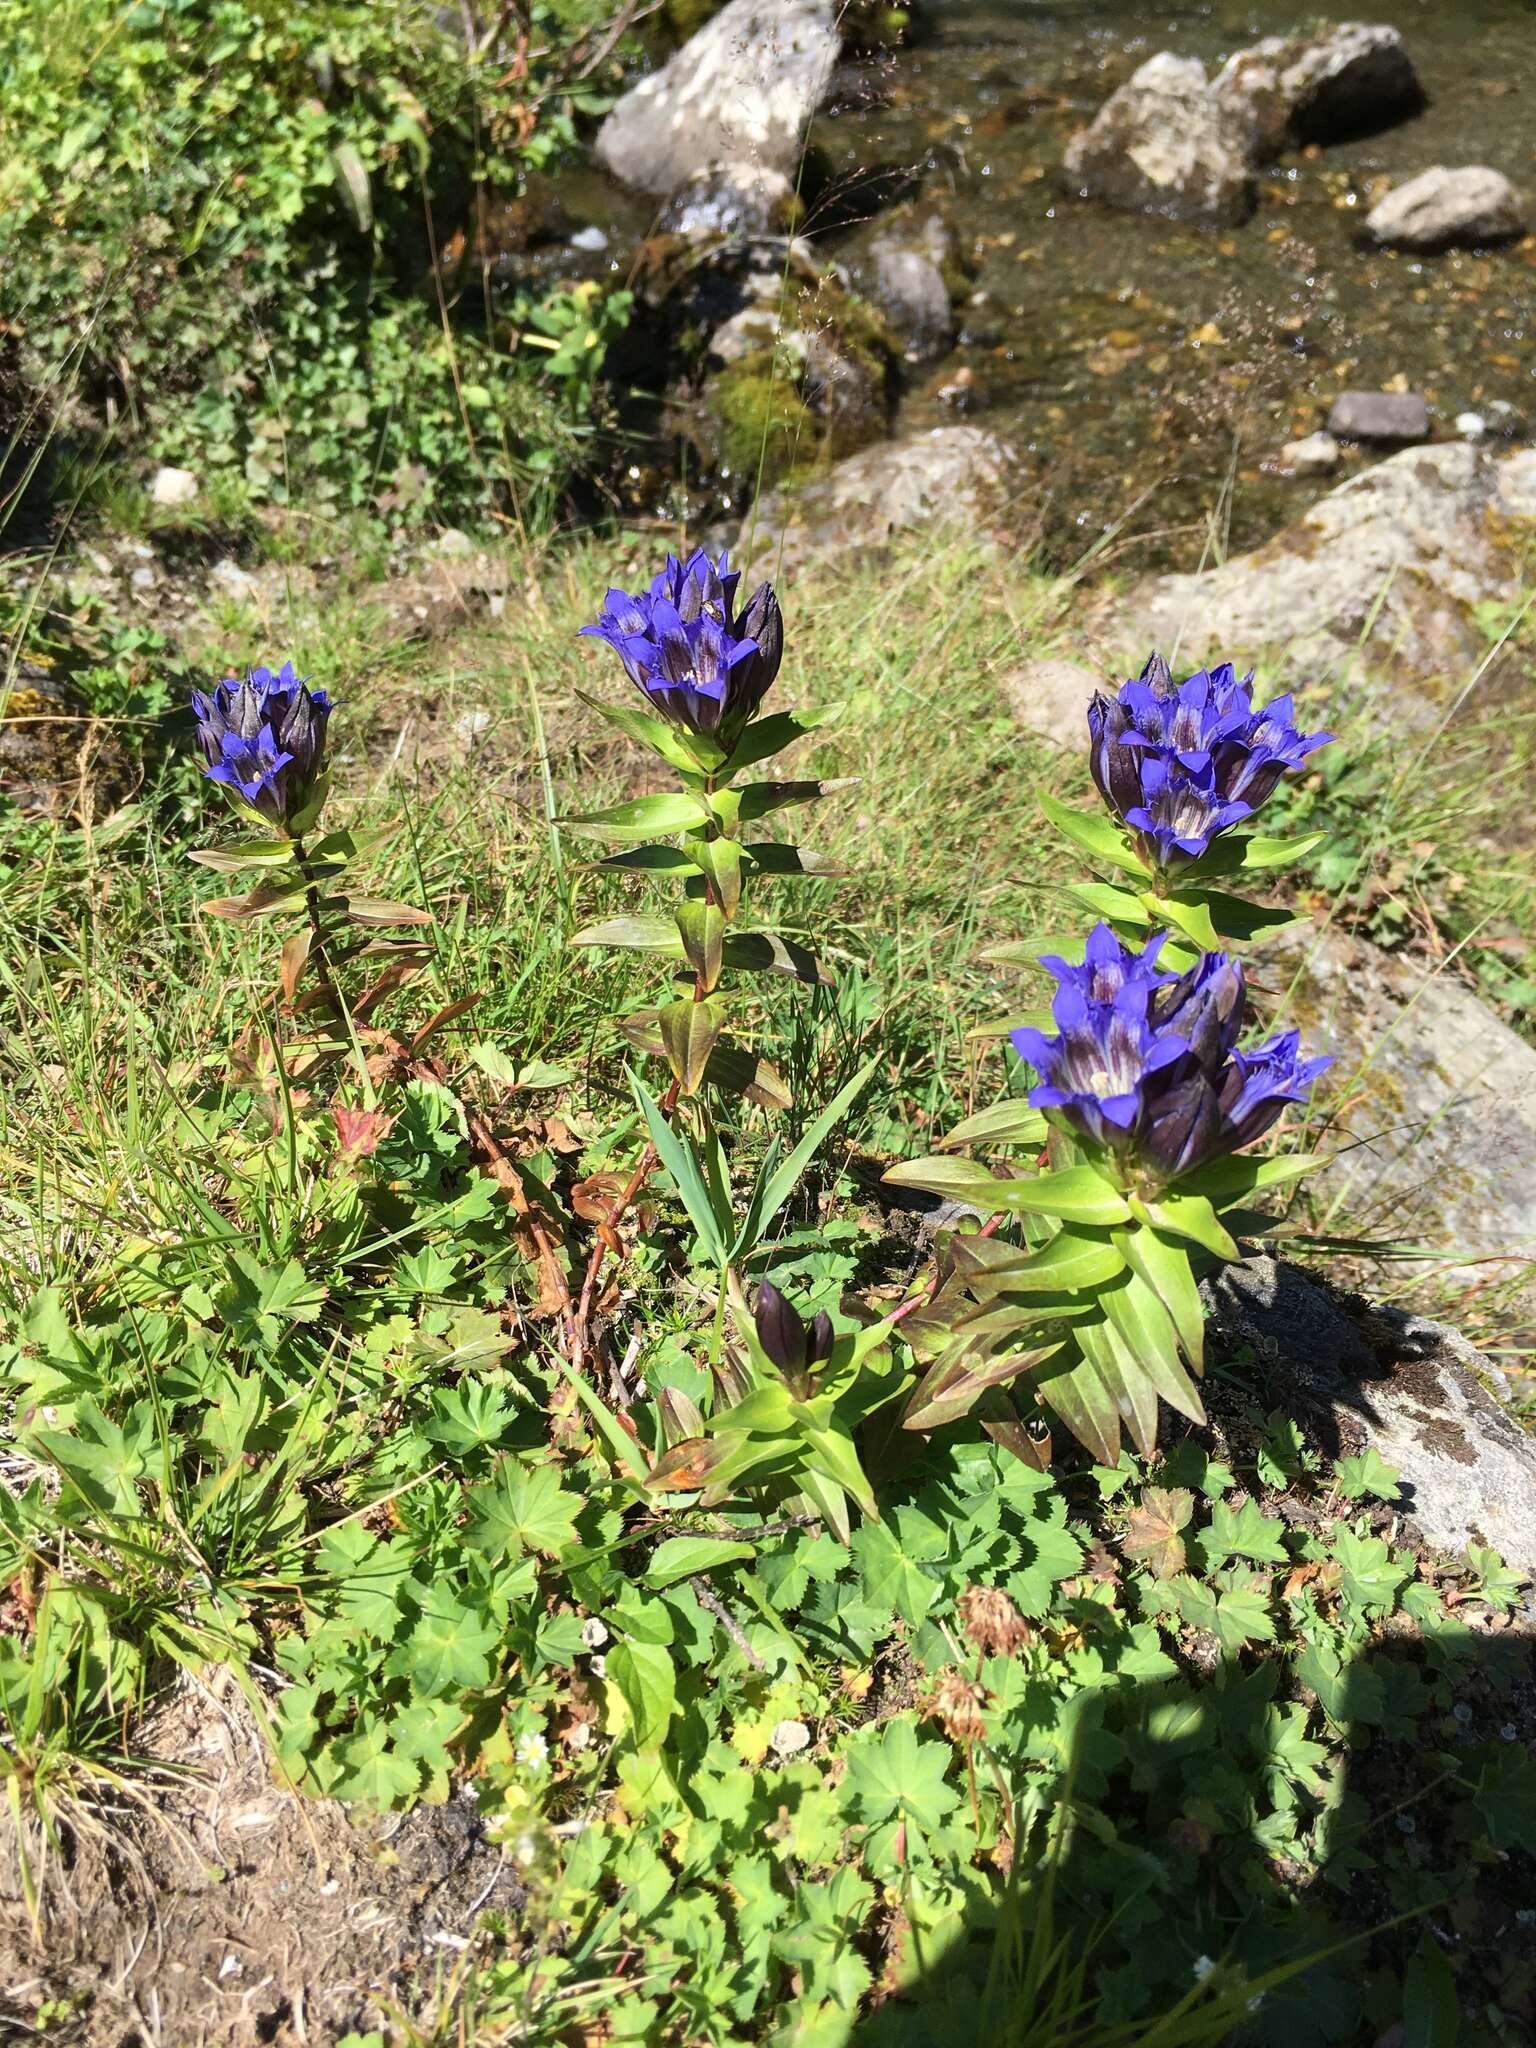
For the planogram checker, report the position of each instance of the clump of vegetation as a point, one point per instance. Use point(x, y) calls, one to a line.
point(229, 221)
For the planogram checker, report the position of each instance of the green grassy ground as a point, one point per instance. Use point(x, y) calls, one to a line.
point(300, 1416)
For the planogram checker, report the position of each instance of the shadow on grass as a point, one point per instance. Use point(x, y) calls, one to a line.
point(1218, 1873)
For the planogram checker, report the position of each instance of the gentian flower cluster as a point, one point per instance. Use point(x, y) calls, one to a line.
point(1146, 1063)
point(1181, 762)
point(704, 666)
point(264, 740)
point(783, 1333)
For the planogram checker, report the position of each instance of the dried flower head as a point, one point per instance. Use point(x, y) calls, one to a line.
point(991, 1623)
point(956, 1703)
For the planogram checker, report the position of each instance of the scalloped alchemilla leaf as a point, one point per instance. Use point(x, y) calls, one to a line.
point(1096, 835)
point(642, 816)
point(1006, 1123)
point(636, 934)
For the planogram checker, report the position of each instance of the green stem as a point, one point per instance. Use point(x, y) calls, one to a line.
point(319, 937)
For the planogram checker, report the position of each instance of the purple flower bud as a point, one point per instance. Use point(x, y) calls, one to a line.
point(1182, 762)
point(782, 1332)
point(704, 666)
point(264, 740)
point(1145, 1063)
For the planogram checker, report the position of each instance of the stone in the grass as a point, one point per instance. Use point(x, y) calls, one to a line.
point(170, 487)
point(1357, 1375)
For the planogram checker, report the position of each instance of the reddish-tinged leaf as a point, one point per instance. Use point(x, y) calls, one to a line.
point(1153, 1530)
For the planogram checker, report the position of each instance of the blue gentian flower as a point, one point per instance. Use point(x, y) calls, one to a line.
point(1182, 762)
point(703, 665)
point(264, 741)
point(1146, 1064)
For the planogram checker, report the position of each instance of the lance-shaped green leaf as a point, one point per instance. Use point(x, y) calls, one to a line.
point(730, 1067)
point(959, 1180)
point(1162, 1263)
point(688, 752)
point(1016, 1020)
point(770, 735)
point(1120, 906)
point(760, 799)
point(1072, 1385)
point(1077, 1194)
point(1128, 1382)
point(776, 1182)
point(634, 934)
point(770, 953)
point(719, 861)
point(646, 860)
point(643, 816)
point(376, 910)
point(1259, 853)
point(1187, 914)
point(1006, 1123)
point(1070, 1263)
point(689, 1033)
point(953, 1385)
point(680, 1557)
point(771, 857)
point(235, 854)
point(701, 927)
point(265, 900)
point(680, 1158)
point(1227, 917)
point(1097, 836)
point(1192, 1216)
point(1143, 1338)
point(1232, 1180)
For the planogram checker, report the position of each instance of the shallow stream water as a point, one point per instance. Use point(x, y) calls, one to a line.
point(1126, 355)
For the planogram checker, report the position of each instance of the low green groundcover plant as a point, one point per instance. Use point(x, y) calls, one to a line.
point(816, 1696)
point(221, 222)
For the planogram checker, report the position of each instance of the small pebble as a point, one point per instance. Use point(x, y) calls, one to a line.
point(790, 1737)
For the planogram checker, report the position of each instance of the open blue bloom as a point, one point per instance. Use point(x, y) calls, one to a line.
point(1181, 762)
point(264, 741)
point(703, 665)
point(1146, 1064)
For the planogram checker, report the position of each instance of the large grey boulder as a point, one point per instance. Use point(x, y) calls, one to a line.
point(1337, 80)
point(1413, 1390)
point(951, 476)
point(1437, 1139)
point(1164, 143)
point(1387, 566)
point(1442, 209)
point(742, 90)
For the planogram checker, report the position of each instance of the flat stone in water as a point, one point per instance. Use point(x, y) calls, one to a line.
point(1379, 416)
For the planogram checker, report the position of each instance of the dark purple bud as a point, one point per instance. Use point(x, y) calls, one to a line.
point(780, 1329)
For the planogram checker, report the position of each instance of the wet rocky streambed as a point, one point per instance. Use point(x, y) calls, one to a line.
point(1146, 371)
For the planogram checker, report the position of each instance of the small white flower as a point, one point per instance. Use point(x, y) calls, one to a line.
point(1201, 1968)
point(599, 1667)
point(593, 1633)
point(532, 1752)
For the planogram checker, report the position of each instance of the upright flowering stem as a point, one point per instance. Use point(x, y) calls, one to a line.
point(316, 959)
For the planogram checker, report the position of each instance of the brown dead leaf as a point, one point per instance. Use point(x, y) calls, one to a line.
point(1153, 1530)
